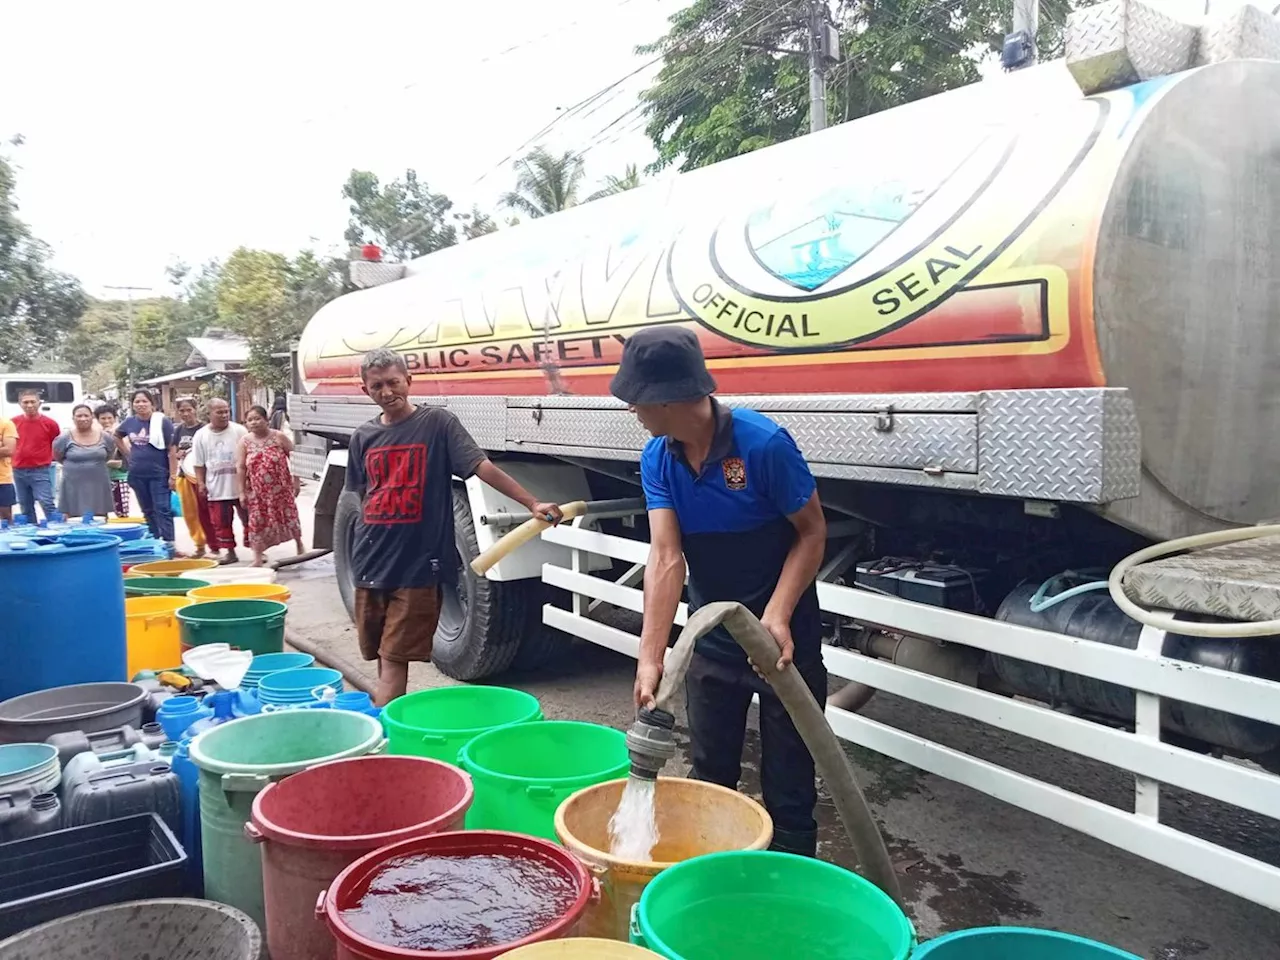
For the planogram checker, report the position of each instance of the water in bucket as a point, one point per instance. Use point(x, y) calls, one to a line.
point(633, 828)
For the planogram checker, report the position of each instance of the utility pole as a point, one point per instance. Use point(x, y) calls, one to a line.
point(822, 47)
point(1020, 45)
point(817, 65)
point(128, 355)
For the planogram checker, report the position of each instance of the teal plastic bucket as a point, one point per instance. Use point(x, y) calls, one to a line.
point(524, 771)
point(758, 905)
point(438, 723)
point(1016, 943)
point(238, 759)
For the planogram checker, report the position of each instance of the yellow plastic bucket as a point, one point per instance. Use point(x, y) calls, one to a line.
point(153, 636)
point(240, 591)
point(173, 568)
point(694, 818)
point(579, 948)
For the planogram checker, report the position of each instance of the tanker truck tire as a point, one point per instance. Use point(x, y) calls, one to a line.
point(481, 620)
point(344, 531)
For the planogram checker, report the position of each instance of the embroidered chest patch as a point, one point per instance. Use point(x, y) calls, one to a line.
point(735, 473)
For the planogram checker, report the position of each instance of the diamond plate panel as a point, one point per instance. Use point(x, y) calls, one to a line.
point(1121, 447)
point(571, 430)
point(946, 442)
point(1236, 581)
point(834, 403)
point(1245, 33)
point(366, 273)
point(1119, 42)
point(485, 419)
point(1053, 445)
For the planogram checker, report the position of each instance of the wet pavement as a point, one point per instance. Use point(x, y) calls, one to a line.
point(964, 859)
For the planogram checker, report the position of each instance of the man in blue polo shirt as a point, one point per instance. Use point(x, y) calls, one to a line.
point(730, 496)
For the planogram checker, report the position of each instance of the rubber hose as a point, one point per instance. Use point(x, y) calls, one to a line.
point(828, 756)
point(1189, 628)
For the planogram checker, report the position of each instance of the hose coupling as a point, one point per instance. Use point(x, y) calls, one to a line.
point(650, 742)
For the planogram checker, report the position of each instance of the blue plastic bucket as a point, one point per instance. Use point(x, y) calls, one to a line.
point(268, 663)
point(1016, 943)
point(297, 686)
point(33, 766)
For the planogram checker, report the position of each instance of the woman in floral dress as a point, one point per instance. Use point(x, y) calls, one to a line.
point(267, 485)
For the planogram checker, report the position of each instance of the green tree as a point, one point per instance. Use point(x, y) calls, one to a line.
point(724, 89)
point(629, 180)
point(545, 183)
point(476, 224)
point(38, 304)
point(403, 217)
point(267, 299)
point(254, 302)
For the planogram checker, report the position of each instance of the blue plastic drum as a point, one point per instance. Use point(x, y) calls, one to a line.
point(64, 613)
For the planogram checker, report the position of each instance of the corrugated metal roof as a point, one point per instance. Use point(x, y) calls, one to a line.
point(221, 349)
point(194, 374)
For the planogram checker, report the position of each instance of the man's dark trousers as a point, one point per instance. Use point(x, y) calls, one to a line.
point(717, 697)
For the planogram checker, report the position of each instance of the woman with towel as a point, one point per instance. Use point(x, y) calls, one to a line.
point(147, 440)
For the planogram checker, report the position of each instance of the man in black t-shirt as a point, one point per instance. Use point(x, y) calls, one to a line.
point(402, 464)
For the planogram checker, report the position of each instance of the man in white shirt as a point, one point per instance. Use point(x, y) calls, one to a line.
point(213, 455)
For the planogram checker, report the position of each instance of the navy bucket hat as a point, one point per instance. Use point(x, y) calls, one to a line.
point(662, 365)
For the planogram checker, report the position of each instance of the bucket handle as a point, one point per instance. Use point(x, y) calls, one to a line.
point(252, 833)
point(381, 748)
point(320, 903)
point(539, 791)
point(433, 738)
point(636, 936)
point(162, 618)
point(243, 782)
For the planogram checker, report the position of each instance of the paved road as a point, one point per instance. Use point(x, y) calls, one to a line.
point(965, 859)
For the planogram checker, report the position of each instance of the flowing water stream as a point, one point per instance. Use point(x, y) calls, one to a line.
point(633, 828)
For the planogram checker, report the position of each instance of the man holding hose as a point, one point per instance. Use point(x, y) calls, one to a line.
point(731, 498)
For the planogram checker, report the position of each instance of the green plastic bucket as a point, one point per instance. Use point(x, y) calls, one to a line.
point(161, 586)
point(758, 905)
point(439, 723)
point(524, 771)
point(1016, 943)
point(238, 759)
point(256, 625)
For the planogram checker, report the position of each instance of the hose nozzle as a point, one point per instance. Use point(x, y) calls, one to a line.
point(650, 742)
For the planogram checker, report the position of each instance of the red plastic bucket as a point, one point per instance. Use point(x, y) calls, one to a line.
point(315, 823)
point(351, 884)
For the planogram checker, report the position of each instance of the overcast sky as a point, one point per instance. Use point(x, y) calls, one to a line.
point(165, 131)
point(159, 131)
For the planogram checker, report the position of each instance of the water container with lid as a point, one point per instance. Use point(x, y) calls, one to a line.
point(224, 711)
point(114, 792)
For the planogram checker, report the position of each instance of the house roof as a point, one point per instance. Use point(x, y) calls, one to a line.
point(221, 349)
point(193, 374)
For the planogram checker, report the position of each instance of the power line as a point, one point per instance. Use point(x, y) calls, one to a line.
point(586, 101)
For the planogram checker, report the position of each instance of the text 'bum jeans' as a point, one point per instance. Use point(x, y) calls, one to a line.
point(32, 485)
point(153, 497)
point(717, 697)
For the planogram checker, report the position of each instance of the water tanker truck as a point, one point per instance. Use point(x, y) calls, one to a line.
point(1020, 330)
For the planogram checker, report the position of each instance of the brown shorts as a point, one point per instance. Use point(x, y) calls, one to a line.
point(397, 625)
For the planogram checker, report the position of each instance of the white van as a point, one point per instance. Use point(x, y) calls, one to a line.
point(58, 394)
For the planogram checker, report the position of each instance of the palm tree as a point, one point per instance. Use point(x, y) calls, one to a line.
point(629, 180)
point(545, 184)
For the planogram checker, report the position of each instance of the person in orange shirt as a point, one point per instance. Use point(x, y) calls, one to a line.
point(8, 444)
